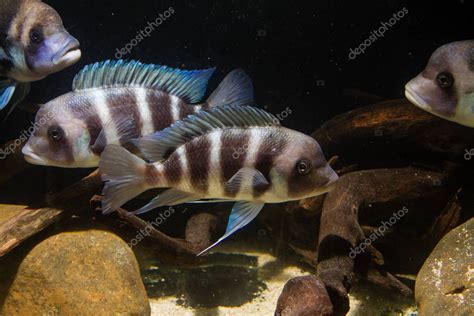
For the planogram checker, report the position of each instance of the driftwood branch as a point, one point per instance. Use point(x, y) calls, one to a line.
point(198, 234)
point(31, 221)
point(25, 224)
point(393, 133)
point(340, 231)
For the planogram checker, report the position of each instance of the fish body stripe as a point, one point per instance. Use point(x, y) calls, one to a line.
point(175, 101)
point(198, 156)
point(256, 138)
point(215, 174)
point(99, 103)
point(145, 112)
point(125, 115)
point(176, 168)
point(273, 144)
point(94, 126)
point(233, 153)
point(152, 175)
point(185, 109)
point(160, 109)
point(172, 171)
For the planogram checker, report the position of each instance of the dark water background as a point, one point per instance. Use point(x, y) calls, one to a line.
point(296, 52)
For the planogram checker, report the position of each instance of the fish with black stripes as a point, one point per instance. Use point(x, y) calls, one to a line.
point(114, 101)
point(33, 45)
point(445, 87)
point(195, 159)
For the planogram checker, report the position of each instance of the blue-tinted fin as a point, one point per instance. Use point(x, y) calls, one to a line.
point(7, 88)
point(236, 89)
point(189, 85)
point(21, 91)
point(242, 213)
point(239, 181)
point(157, 146)
point(210, 201)
point(168, 198)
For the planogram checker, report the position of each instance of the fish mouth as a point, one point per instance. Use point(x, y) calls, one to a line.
point(31, 157)
point(332, 182)
point(68, 55)
point(330, 186)
point(416, 99)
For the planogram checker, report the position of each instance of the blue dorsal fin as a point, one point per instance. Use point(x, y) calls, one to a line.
point(189, 85)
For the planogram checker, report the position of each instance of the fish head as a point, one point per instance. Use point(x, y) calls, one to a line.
point(446, 86)
point(302, 168)
point(38, 44)
point(59, 138)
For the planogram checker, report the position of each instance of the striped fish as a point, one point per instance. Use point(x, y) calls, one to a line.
point(33, 44)
point(196, 159)
point(115, 101)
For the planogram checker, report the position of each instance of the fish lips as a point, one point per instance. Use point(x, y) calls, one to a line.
point(331, 184)
point(68, 55)
point(415, 98)
point(31, 157)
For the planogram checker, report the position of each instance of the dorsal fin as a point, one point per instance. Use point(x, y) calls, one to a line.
point(189, 85)
point(158, 146)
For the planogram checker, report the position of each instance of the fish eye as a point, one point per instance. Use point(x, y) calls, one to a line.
point(303, 166)
point(55, 133)
point(36, 36)
point(445, 80)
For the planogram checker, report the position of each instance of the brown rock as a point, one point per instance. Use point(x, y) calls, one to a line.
point(445, 283)
point(78, 273)
point(304, 296)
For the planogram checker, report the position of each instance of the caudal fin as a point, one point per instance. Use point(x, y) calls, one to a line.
point(123, 174)
point(236, 89)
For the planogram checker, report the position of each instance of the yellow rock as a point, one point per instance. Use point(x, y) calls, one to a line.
point(78, 273)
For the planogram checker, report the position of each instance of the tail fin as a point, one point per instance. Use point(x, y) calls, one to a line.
point(124, 174)
point(235, 89)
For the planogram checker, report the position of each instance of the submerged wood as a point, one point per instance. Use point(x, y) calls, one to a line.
point(393, 133)
point(24, 225)
point(31, 221)
point(340, 232)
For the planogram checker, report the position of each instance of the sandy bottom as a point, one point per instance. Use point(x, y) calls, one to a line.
point(365, 299)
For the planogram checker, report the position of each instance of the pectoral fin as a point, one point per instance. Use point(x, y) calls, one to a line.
point(242, 213)
point(7, 88)
point(12, 94)
point(124, 130)
point(246, 180)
